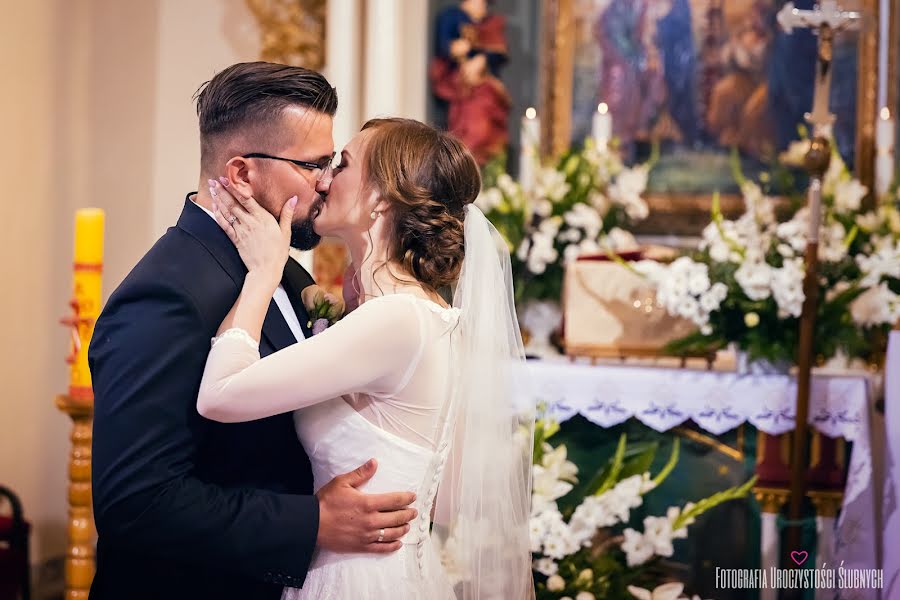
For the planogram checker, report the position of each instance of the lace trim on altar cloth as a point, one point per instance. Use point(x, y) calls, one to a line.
point(660, 398)
point(236, 334)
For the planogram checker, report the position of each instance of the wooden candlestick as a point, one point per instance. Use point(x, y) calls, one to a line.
point(80, 556)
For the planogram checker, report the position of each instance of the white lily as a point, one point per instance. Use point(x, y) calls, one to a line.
point(555, 461)
point(547, 484)
point(666, 591)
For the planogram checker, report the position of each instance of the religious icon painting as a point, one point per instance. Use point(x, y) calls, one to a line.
point(483, 73)
point(702, 81)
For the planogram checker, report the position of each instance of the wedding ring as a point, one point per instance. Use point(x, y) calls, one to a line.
point(232, 220)
point(381, 535)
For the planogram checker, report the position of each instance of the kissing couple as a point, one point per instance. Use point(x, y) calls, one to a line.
point(236, 454)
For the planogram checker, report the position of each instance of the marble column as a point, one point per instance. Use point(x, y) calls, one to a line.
point(395, 59)
point(771, 501)
point(827, 504)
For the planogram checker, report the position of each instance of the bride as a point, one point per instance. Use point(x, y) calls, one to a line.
point(421, 385)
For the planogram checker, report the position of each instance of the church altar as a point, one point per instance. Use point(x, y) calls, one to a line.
point(718, 401)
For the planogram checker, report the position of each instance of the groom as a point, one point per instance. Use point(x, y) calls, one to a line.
point(185, 507)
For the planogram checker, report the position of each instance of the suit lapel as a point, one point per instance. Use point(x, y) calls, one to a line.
point(295, 280)
point(275, 329)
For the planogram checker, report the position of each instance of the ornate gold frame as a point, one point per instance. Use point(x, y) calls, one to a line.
point(292, 31)
point(685, 214)
point(867, 94)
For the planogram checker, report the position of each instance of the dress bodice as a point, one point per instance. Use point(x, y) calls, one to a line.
point(338, 439)
point(378, 384)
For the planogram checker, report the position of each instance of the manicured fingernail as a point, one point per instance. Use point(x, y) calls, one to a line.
point(211, 182)
point(293, 201)
point(224, 181)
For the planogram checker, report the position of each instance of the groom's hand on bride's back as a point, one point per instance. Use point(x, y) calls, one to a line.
point(353, 521)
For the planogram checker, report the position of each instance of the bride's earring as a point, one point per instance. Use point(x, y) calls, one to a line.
point(374, 214)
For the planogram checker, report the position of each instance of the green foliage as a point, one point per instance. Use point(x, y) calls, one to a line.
point(602, 568)
point(732, 493)
point(670, 464)
point(492, 170)
point(615, 467)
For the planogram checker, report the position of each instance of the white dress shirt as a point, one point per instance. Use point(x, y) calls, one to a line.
point(281, 298)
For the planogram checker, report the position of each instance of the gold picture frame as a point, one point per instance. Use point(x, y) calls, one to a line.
point(292, 31)
point(684, 214)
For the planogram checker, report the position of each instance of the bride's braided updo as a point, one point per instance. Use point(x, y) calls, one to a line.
point(427, 177)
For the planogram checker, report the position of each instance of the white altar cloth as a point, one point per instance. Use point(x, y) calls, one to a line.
point(717, 401)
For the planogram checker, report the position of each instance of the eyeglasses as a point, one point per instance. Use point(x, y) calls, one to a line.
point(324, 165)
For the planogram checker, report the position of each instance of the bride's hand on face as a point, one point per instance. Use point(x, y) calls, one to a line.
point(262, 241)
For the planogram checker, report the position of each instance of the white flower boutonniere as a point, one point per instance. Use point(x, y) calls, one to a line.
point(324, 309)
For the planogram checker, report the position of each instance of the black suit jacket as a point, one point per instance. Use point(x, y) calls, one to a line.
point(186, 507)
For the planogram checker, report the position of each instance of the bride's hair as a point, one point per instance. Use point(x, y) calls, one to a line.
point(428, 177)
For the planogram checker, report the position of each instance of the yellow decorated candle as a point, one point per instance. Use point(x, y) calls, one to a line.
point(86, 296)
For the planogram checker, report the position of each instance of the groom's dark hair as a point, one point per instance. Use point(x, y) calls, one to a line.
point(247, 99)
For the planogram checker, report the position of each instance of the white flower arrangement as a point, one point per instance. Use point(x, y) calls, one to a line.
point(666, 591)
point(567, 550)
point(576, 207)
point(745, 284)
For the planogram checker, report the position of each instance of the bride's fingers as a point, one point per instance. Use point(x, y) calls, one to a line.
point(226, 197)
point(221, 207)
point(287, 216)
point(226, 215)
point(225, 223)
point(248, 203)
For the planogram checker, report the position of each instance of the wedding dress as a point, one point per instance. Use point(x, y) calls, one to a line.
point(397, 352)
point(419, 387)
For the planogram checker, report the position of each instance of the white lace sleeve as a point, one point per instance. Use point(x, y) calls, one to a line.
point(236, 334)
point(371, 350)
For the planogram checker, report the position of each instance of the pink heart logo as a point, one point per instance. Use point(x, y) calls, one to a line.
point(799, 557)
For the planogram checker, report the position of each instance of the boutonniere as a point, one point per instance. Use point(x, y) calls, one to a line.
point(324, 308)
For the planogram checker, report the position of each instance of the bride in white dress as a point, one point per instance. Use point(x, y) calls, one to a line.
point(419, 385)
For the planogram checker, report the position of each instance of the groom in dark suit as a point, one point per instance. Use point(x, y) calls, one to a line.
point(186, 507)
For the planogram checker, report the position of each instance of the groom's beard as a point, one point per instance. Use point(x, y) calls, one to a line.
point(303, 233)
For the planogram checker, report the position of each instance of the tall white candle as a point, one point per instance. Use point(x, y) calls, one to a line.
point(884, 152)
point(529, 143)
point(884, 20)
point(601, 127)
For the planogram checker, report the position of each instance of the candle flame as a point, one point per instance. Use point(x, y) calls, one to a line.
point(603, 108)
point(530, 113)
point(885, 113)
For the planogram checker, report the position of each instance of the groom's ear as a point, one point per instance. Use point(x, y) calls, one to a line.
point(237, 172)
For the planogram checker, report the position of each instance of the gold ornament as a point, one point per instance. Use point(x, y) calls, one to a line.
point(292, 31)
